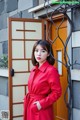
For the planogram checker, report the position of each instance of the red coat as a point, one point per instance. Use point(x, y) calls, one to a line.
point(44, 86)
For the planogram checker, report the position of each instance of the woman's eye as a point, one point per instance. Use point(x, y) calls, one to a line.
point(36, 50)
point(43, 50)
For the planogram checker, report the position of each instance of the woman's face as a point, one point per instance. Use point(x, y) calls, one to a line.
point(40, 54)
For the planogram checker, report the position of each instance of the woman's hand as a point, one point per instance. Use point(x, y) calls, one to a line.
point(37, 104)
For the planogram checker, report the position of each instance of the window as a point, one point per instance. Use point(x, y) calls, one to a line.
point(59, 65)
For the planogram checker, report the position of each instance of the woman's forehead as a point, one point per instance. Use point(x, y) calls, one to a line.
point(41, 46)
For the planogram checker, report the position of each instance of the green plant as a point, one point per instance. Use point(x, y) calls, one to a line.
point(4, 61)
point(66, 1)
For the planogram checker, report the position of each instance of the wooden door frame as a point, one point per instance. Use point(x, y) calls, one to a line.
point(48, 22)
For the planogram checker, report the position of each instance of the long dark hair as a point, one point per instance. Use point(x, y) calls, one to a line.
point(46, 46)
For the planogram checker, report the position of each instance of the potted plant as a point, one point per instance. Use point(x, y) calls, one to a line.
point(4, 61)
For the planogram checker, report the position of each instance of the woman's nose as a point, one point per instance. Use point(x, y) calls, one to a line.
point(39, 52)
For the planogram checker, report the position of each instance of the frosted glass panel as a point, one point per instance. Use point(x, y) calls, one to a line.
point(36, 34)
point(17, 49)
point(17, 110)
point(29, 46)
point(18, 94)
point(76, 57)
point(76, 39)
point(20, 78)
point(31, 65)
point(20, 65)
point(17, 34)
point(76, 94)
point(59, 54)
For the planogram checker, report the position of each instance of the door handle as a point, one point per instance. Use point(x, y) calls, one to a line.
point(12, 72)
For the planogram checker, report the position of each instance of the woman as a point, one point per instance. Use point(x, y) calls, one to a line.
point(43, 85)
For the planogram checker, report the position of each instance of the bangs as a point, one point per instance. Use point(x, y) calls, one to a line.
point(44, 46)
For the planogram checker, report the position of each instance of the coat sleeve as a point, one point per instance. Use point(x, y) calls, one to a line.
point(55, 87)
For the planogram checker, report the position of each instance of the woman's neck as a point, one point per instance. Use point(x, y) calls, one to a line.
point(40, 64)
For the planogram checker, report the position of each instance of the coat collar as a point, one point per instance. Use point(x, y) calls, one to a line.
point(42, 68)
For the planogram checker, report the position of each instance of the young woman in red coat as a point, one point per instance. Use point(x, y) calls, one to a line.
point(43, 84)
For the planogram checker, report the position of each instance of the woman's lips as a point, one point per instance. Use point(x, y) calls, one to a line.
point(38, 58)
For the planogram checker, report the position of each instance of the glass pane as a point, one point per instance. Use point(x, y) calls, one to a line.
point(18, 94)
point(59, 54)
point(35, 30)
point(18, 110)
point(76, 58)
point(20, 65)
point(76, 94)
point(28, 48)
point(20, 78)
point(17, 32)
point(17, 49)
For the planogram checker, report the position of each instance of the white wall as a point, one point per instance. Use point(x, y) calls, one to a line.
point(4, 104)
